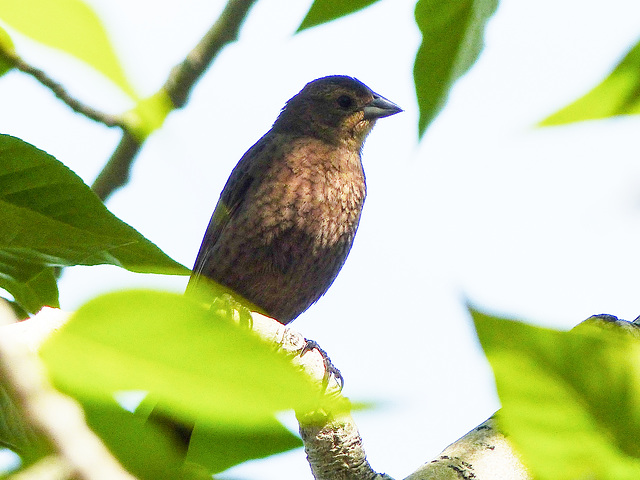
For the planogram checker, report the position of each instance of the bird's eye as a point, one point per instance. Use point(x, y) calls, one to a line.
point(345, 101)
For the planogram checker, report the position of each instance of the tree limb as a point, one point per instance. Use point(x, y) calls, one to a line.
point(60, 92)
point(482, 454)
point(77, 452)
point(179, 84)
point(333, 445)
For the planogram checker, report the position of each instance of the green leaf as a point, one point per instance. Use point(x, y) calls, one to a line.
point(71, 26)
point(142, 448)
point(49, 217)
point(570, 400)
point(323, 11)
point(15, 433)
point(452, 39)
point(618, 94)
point(6, 48)
point(148, 115)
point(31, 284)
point(221, 448)
point(196, 364)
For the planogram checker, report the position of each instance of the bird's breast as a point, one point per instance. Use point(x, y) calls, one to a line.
point(323, 191)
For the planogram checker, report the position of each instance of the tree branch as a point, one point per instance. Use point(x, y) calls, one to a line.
point(77, 451)
point(225, 30)
point(179, 84)
point(116, 172)
point(60, 92)
point(482, 454)
point(333, 445)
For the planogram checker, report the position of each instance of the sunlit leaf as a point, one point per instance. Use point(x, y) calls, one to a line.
point(6, 46)
point(452, 39)
point(49, 217)
point(199, 366)
point(148, 115)
point(618, 94)
point(185, 354)
point(323, 11)
point(71, 26)
point(570, 400)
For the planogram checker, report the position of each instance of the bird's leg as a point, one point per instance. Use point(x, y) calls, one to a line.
point(329, 368)
point(227, 306)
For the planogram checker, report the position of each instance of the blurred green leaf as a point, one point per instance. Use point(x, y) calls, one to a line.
point(141, 447)
point(221, 448)
point(71, 26)
point(323, 11)
point(148, 115)
point(570, 400)
point(452, 39)
point(15, 433)
point(199, 366)
point(190, 358)
point(49, 217)
point(6, 46)
point(618, 94)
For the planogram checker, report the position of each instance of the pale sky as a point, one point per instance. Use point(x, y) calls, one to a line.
point(542, 225)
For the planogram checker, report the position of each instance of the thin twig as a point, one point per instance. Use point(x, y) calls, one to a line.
point(115, 173)
point(182, 78)
point(60, 92)
point(225, 30)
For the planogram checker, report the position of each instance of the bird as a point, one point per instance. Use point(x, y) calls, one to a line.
point(287, 216)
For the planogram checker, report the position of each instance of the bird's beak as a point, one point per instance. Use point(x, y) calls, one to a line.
point(380, 107)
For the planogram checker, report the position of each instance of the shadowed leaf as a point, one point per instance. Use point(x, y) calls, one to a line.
point(452, 39)
point(323, 11)
point(49, 218)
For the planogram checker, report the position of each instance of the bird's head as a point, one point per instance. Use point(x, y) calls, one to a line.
point(336, 109)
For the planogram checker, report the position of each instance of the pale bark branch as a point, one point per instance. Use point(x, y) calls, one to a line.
point(56, 419)
point(333, 445)
point(482, 454)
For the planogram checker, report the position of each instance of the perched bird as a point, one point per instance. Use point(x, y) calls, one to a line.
point(288, 214)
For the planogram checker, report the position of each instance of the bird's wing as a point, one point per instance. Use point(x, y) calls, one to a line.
point(232, 197)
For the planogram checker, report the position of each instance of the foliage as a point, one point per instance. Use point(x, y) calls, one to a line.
point(570, 399)
point(52, 219)
point(452, 39)
point(618, 94)
point(83, 35)
point(194, 363)
point(323, 11)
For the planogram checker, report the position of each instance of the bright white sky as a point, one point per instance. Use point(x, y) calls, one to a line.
point(542, 225)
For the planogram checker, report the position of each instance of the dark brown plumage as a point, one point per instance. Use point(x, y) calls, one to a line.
point(286, 218)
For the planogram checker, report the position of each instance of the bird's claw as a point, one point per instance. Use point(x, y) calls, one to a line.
point(230, 308)
point(330, 370)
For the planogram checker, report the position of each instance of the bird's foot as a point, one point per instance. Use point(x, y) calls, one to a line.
point(230, 308)
point(329, 369)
